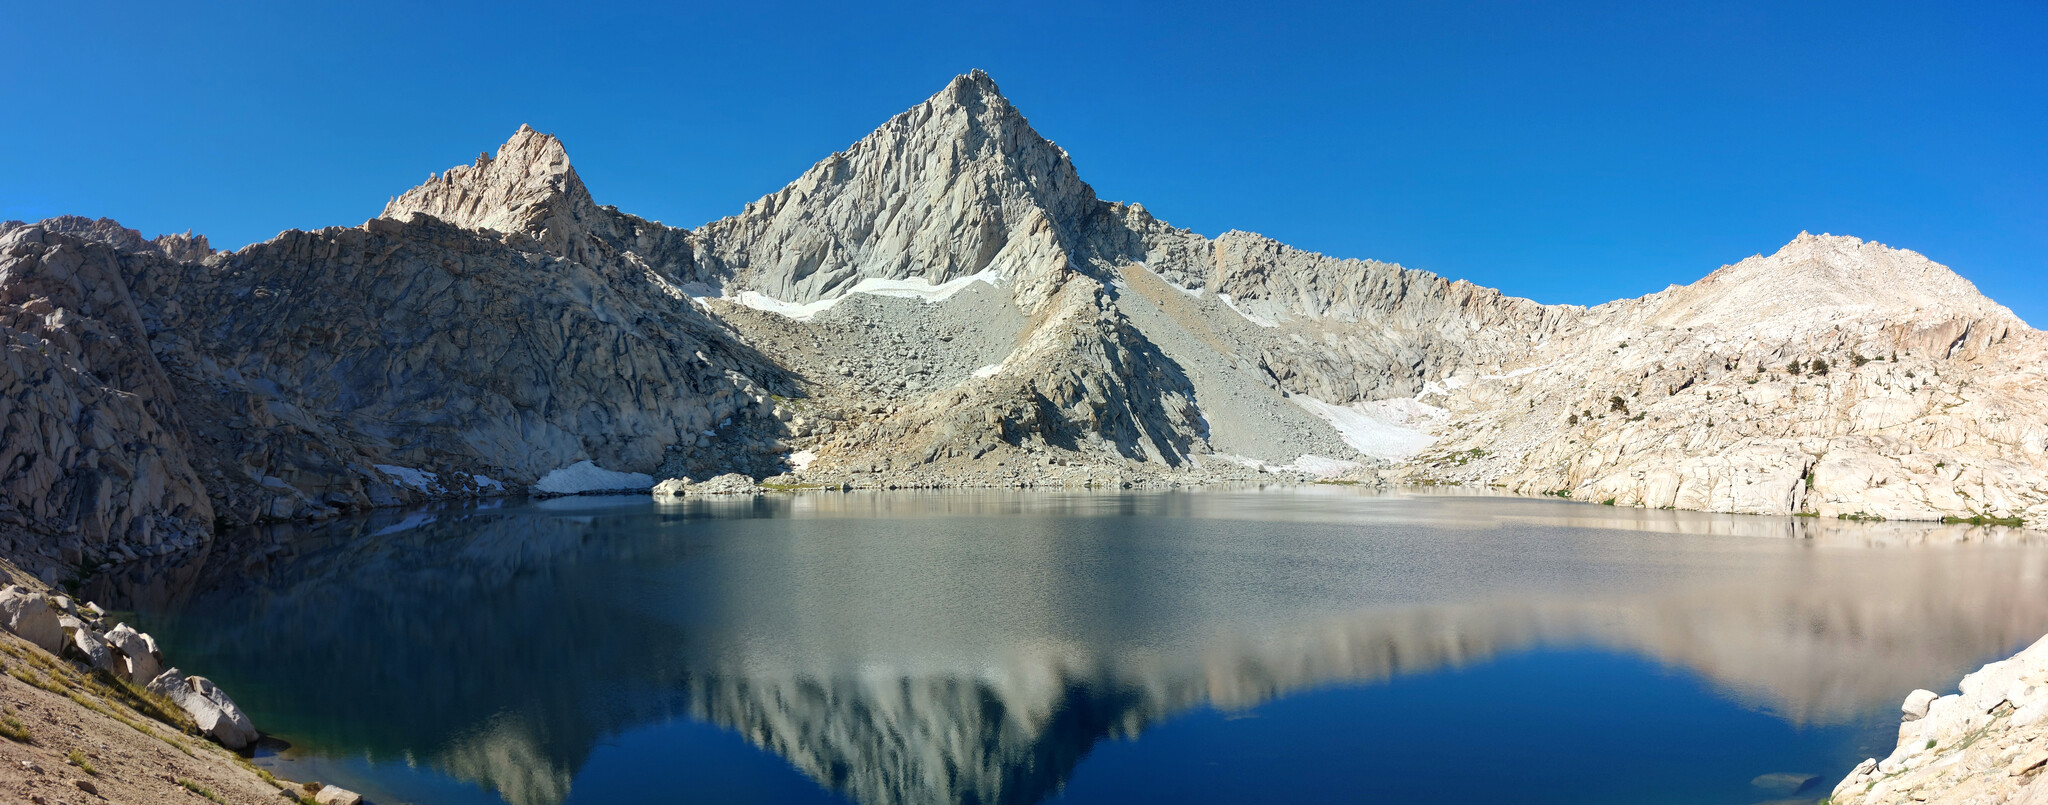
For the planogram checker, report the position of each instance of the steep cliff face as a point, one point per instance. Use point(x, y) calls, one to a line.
point(947, 302)
point(91, 458)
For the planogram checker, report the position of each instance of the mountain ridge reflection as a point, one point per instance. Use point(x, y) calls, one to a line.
point(974, 647)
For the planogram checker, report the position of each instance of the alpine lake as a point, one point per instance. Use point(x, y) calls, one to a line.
point(1319, 644)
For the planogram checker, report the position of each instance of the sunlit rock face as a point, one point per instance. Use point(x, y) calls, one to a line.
point(947, 303)
point(898, 651)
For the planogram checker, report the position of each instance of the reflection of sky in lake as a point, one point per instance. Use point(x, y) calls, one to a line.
point(977, 646)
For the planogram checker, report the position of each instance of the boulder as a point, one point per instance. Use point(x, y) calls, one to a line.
point(210, 707)
point(139, 660)
point(87, 645)
point(336, 795)
point(672, 488)
point(1916, 704)
point(29, 615)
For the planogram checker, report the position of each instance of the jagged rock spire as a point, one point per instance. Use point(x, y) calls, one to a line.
point(528, 188)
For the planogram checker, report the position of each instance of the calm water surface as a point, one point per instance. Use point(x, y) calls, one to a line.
point(1295, 645)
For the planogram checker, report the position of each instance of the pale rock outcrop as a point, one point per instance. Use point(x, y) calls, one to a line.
point(672, 488)
point(88, 645)
point(209, 707)
point(1793, 383)
point(28, 615)
point(139, 660)
point(1987, 743)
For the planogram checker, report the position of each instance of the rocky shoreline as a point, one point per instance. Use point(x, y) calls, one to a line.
point(79, 677)
point(1986, 744)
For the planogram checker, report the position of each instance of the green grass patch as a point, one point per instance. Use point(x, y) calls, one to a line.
point(12, 729)
point(77, 758)
point(196, 788)
point(1980, 519)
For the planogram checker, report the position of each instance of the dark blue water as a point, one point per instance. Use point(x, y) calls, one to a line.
point(1321, 645)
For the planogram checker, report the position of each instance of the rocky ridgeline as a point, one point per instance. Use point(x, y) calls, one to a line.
point(946, 303)
point(1987, 743)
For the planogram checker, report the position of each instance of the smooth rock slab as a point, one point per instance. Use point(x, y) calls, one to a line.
point(211, 708)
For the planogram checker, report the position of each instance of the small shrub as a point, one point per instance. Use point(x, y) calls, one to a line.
point(12, 729)
point(1572, 421)
point(201, 790)
point(1607, 502)
point(1616, 403)
point(1930, 743)
point(1820, 366)
point(77, 758)
point(1859, 360)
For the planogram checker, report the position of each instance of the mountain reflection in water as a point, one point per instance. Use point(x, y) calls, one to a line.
point(973, 647)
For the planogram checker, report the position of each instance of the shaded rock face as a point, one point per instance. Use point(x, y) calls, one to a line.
point(91, 457)
point(947, 302)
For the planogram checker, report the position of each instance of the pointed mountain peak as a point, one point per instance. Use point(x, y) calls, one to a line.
point(972, 113)
point(528, 187)
point(954, 186)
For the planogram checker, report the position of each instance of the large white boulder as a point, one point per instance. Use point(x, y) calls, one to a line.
point(139, 660)
point(1915, 707)
point(29, 615)
point(211, 708)
point(672, 488)
point(88, 645)
point(336, 795)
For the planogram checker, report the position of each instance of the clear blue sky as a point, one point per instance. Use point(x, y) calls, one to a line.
point(1565, 152)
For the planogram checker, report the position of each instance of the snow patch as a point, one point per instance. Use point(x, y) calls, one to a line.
point(485, 482)
point(802, 458)
point(1247, 316)
point(1390, 430)
point(407, 476)
point(1194, 292)
point(989, 371)
point(914, 288)
point(586, 476)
